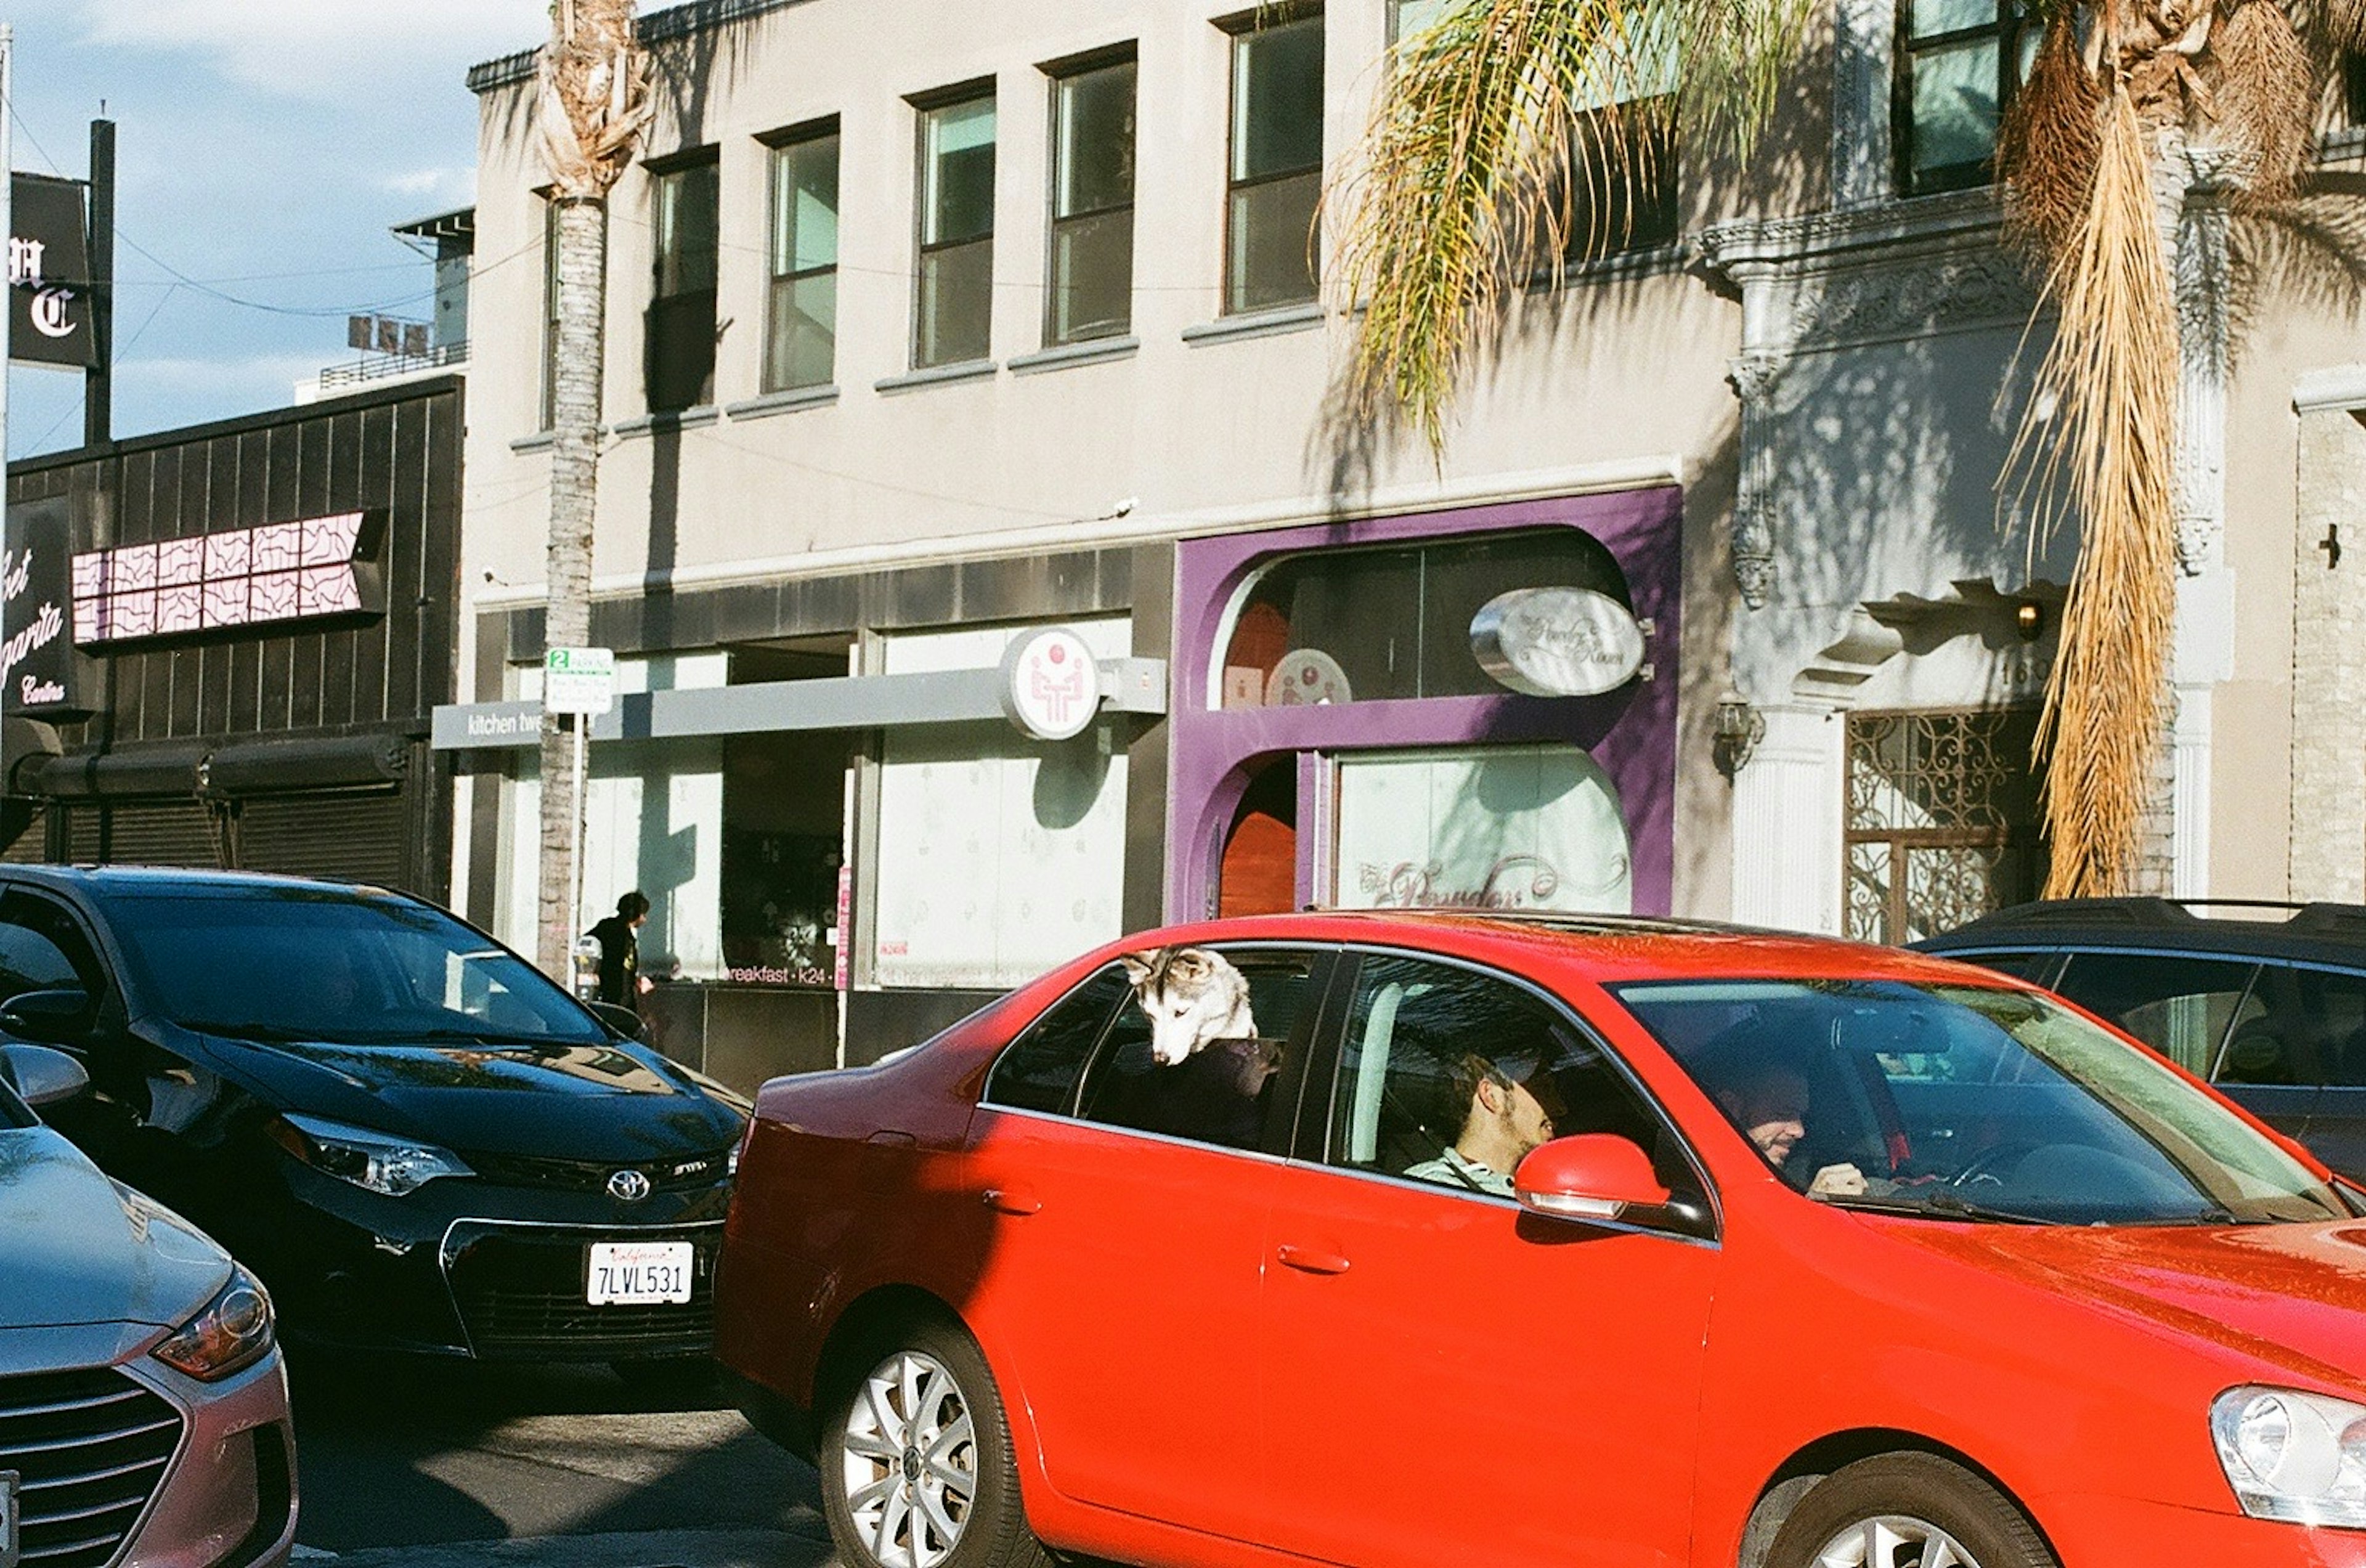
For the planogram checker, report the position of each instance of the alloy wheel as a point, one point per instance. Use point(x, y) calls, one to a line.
point(910, 1462)
point(1894, 1541)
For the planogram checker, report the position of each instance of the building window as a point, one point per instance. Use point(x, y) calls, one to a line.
point(1092, 203)
point(1959, 63)
point(1277, 161)
point(801, 334)
point(1942, 820)
point(1621, 198)
point(1407, 17)
point(2353, 89)
point(549, 313)
point(679, 356)
point(955, 315)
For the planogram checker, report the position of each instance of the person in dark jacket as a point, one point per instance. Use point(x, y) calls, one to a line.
point(620, 951)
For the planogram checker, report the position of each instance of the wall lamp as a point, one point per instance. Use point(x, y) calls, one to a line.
point(1740, 728)
point(2029, 619)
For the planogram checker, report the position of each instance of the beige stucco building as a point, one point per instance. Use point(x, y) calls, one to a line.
point(930, 328)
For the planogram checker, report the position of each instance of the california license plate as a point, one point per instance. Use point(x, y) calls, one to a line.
point(635, 1273)
point(11, 1546)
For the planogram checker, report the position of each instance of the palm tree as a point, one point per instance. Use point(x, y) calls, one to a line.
point(1462, 185)
point(594, 103)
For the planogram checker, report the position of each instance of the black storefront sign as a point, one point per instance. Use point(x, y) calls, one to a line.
point(40, 672)
point(50, 292)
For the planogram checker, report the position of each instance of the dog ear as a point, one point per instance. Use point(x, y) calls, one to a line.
point(1139, 968)
point(1195, 963)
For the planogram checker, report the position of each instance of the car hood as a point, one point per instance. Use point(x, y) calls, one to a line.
point(82, 1251)
point(588, 1101)
point(2293, 1296)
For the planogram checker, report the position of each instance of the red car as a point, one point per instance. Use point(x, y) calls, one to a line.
point(1577, 1241)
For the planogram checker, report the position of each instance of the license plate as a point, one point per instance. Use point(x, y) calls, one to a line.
point(10, 1546)
point(635, 1273)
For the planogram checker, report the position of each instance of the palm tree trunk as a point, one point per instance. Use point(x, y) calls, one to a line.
point(582, 238)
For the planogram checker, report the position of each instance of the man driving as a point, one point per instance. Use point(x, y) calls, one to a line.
point(1506, 1108)
point(1768, 1101)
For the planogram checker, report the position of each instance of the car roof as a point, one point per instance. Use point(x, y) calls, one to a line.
point(1605, 949)
point(2327, 932)
point(137, 879)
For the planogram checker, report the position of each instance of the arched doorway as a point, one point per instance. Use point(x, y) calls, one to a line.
point(1260, 871)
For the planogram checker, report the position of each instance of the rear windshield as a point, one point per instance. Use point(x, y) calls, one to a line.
point(1965, 1102)
point(311, 963)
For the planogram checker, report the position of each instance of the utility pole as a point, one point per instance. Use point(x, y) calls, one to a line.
point(98, 394)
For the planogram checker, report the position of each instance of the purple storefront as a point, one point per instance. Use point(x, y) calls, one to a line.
point(1339, 740)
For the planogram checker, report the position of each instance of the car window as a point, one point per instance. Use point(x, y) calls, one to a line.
point(1039, 1070)
point(1225, 1092)
point(2032, 966)
point(1448, 1075)
point(2301, 1026)
point(2178, 1004)
point(42, 949)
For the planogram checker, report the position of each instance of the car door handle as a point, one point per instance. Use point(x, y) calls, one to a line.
point(1307, 1261)
point(1011, 1200)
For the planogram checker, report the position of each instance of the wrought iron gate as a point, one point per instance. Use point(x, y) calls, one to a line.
point(1942, 820)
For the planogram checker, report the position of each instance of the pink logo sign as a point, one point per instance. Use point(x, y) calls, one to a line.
point(1050, 684)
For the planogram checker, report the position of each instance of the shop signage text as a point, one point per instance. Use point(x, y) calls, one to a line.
point(48, 274)
point(578, 680)
point(1558, 642)
point(39, 670)
point(1050, 684)
point(235, 578)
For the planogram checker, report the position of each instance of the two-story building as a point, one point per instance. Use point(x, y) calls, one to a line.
point(931, 329)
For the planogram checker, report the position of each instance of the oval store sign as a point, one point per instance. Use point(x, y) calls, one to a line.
point(1558, 642)
point(1050, 684)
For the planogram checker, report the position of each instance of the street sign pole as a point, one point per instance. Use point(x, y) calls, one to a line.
point(575, 825)
point(580, 681)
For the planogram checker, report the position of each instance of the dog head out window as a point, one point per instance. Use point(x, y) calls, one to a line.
point(1201, 1046)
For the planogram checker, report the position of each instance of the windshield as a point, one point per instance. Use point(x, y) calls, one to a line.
point(1963, 1102)
point(308, 963)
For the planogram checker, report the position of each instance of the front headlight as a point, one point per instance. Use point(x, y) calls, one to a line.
point(2292, 1456)
point(230, 1335)
point(378, 1161)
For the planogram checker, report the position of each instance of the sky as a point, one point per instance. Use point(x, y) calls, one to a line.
point(263, 149)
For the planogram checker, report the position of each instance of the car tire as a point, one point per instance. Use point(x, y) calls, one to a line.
point(915, 1462)
point(1907, 1510)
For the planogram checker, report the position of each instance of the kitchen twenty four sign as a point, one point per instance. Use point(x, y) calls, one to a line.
point(48, 274)
point(1558, 642)
point(1050, 684)
point(241, 578)
point(38, 669)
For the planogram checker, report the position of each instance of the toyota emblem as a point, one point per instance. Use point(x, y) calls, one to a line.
point(628, 1187)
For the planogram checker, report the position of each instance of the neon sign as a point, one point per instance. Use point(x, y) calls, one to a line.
point(239, 578)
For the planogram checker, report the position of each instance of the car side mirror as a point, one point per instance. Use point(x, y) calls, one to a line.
point(1590, 1176)
point(42, 1076)
point(59, 1017)
point(624, 1020)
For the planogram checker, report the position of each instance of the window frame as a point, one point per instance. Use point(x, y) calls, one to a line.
point(777, 145)
point(1237, 30)
point(1318, 1112)
point(2007, 30)
point(550, 319)
point(1059, 74)
point(926, 107)
point(662, 174)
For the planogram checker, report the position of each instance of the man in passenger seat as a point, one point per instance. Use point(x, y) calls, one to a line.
point(1506, 1107)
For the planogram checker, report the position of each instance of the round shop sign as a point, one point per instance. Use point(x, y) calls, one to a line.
point(1050, 684)
point(1558, 642)
point(1307, 678)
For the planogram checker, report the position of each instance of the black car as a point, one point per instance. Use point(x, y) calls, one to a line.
point(2266, 1000)
point(415, 1138)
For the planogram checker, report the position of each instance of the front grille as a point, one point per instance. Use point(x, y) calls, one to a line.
point(592, 1176)
point(89, 1449)
point(521, 1292)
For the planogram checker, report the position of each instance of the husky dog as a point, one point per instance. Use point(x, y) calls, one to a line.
point(1193, 998)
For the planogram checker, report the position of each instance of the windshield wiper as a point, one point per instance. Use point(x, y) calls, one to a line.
point(449, 1036)
point(251, 1029)
point(1943, 1204)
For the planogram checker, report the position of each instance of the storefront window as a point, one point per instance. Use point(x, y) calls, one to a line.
point(1496, 828)
point(1364, 625)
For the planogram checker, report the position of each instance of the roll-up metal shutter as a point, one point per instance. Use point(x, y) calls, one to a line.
point(352, 835)
point(31, 846)
point(164, 832)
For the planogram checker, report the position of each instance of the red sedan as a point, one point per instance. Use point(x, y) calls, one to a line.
point(1416, 1240)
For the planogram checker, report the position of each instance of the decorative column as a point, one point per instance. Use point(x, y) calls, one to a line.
point(1754, 376)
point(1787, 823)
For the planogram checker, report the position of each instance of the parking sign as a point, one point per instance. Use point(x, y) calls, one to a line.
point(579, 680)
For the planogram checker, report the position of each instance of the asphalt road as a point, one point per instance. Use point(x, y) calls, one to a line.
point(436, 1465)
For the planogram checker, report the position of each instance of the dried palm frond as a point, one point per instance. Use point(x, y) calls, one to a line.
point(2112, 375)
point(594, 95)
point(1467, 181)
point(2048, 144)
point(2264, 87)
point(2331, 27)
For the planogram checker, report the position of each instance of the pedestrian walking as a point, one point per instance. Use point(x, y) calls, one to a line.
point(621, 981)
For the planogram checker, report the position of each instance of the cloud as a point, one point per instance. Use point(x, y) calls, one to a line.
point(318, 48)
point(425, 181)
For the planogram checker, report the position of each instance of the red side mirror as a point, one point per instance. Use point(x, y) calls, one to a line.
point(1594, 1176)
